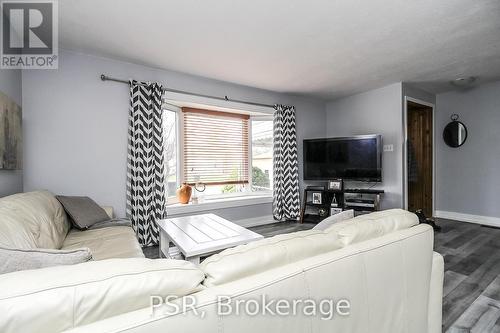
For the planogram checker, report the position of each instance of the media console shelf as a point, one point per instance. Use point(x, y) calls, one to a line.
point(361, 200)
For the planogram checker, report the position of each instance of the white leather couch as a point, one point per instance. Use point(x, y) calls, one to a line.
point(382, 263)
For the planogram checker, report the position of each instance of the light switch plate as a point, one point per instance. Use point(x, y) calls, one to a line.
point(388, 147)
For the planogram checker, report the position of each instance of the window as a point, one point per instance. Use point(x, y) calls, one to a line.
point(170, 125)
point(215, 147)
point(262, 155)
point(231, 153)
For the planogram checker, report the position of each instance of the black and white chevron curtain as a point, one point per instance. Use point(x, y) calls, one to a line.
point(145, 169)
point(286, 201)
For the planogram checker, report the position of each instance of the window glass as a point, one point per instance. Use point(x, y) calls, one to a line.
point(170, 132)
point(262, 155)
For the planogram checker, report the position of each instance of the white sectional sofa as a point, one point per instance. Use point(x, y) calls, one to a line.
point(382, 263)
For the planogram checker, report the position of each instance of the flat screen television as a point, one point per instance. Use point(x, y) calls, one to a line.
point(352, 158)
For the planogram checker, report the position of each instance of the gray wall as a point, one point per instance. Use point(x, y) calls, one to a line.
point(11, 181)
point(76, 125)
point(411, 91)
point(75, 129)
point(377, 111)
point(468, 177)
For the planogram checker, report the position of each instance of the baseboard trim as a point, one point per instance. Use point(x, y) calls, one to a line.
point(255, 221)
point(478, 219)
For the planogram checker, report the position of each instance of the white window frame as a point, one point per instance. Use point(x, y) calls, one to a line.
point(175, 101)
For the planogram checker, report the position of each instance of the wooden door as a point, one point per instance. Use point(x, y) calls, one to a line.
point(420, 161)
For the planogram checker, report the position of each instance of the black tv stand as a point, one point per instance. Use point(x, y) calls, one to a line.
point(361, 200)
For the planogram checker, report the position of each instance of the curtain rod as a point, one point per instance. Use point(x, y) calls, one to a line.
point(225, 98)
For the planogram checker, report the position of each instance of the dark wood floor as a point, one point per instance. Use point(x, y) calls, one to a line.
point(471, 295)
point(471, 254)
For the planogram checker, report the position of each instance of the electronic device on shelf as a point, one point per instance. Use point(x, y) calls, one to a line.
point(361, 204)
point(358, 200)
point(362, 200)
point(333, 202)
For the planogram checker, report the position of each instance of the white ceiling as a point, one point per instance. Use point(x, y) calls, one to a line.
point(323, 48)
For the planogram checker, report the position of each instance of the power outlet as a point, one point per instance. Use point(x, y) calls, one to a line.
point(388, 147)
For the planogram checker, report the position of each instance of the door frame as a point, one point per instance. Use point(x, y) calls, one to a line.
point(405, 153)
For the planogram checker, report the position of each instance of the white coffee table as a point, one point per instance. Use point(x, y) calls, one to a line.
point(201, 235)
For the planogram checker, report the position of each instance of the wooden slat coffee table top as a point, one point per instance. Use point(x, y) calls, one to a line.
point(204, 234)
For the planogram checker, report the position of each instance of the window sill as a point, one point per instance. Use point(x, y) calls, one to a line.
point(211, 204)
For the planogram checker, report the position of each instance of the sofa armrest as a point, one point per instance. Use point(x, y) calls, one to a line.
point(435, 310)
point(59, 298)
point(109, 211)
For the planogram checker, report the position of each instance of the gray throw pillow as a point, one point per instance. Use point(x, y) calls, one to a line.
point(330, 220)
point(12, 260)
point(83, 211)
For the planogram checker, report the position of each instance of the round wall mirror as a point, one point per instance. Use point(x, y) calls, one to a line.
point(455, 133)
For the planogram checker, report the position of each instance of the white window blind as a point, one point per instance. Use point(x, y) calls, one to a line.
point(215, 147)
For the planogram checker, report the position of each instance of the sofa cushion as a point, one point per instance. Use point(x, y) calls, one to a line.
point(117, 222)
point(256, 257)
point(331, 220)
point(265, 254)
point(12, 260)
point(32, 220)
point(372, 225)
point(59, 298)
point(105, 243)
point(83, 211)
